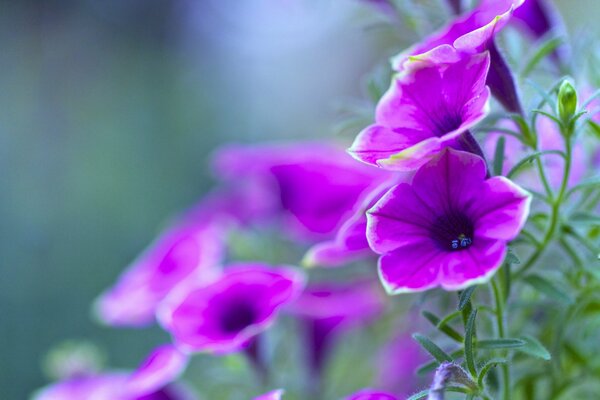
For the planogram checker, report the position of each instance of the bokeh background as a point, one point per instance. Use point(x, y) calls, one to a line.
point(109, 110)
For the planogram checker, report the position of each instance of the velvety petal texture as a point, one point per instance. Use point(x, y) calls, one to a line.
point(314, 186)
point(185, 252)
point(449, 227)
point(224, 315)
point(427, 107)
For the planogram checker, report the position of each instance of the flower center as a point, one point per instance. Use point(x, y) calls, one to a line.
point(452, 231)
point(447, 123)
point(237, 317)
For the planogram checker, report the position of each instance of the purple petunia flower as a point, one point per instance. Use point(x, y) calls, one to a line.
point(426, 109)
point(371, 394)
point(449, 227)
point(350, 242)
point(327, 310)
point(313, 187)
point(186, 252)
point(151, 381)
point(272, 395)
point(226, 314)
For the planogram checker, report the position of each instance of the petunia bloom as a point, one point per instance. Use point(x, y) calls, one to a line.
point(185, 252)
point(449, 227)
point(225, 315)
point(370, 394)
point(152, 380)
point(312, 187)
point(426, 109)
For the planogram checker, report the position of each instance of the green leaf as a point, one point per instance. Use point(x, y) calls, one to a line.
point(492, 344)
point(446, 329)
point(420, 395)
point(469, 356)
point(530, 158)
point(534, 348)
point(595, 128)
point(487, 367)
point(499, 155)
point(433, 349)
point(548, 288)
point(465, 297)
point(541, 52)
point(587, 183)
point(548, 115)
point(432, 365)
point(585, 217)
point(512, 258)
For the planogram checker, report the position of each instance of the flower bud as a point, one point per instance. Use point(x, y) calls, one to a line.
point(567, 101)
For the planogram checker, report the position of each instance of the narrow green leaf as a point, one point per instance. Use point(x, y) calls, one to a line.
point(595, 128)
point(548, 115)
point(534, 348)
point(465, 297)
point(433, 349)
point(587, 183)
point(541, 52)
point(548, 288)
point(499, 155)
point(491, 344)
point(469, 355)
point(487, 367)
point(581, 216)
point(512, 258)
point(424, 369)
point(530, 158)
point(446, 329)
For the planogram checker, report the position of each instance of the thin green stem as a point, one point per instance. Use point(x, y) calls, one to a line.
point(500, 302)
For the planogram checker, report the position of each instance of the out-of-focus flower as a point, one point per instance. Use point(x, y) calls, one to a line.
point(397, 365)
point(371, 394)
point(313, 186)
point(272, 395)
point(549, 138)
point(185, 252)
point(449, 227)
point(329, 309)
point(151, 381)
point(226, 314)
point(427, 108)
point(350, 242)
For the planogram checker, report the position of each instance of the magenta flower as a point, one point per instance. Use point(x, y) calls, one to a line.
point(370, 394)
point(327, 310)
point(151, 381)
point(185, 252)
point(313, 187)
point(272, 395)
point(426, 109)
point(350, 242)
point(226, 314)
point(449, 227)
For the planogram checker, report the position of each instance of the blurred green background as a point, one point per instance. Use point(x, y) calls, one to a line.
point(108, 113)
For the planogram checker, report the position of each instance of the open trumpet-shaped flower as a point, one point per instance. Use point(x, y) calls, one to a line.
point(426, 109)
point(190, 252)
point(226, 314)
point(312, 187)
point(150, 381)
point(371, 394)
point(449, 227)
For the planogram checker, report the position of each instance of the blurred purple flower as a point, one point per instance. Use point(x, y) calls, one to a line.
point(313, 187)
point(272, 395)
point(185, 252)
point(327, 310)
point(226, 314)
point(426, 109)
point(549, 138)
point(371, 394)
point(350, 242)
point(398, 362)
point(151, 381)
point(449, 227)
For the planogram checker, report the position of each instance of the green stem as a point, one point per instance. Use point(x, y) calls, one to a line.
point(500, 302)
